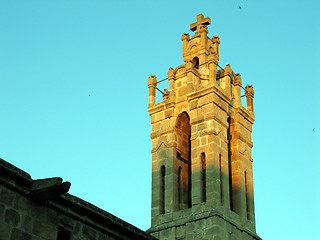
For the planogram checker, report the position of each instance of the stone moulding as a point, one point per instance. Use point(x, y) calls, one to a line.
point(197, 217)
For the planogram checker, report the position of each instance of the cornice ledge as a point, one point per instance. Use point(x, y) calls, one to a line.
point(211, 213)
point(160, 107)
point(245, 113)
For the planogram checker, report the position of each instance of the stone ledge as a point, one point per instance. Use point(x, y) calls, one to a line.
point(16, 174)
point(203, 215)
point(45, 189)
point(96, 217)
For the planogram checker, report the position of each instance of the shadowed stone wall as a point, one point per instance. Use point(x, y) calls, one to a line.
point(43, 210)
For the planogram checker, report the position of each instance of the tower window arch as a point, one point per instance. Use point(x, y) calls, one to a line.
point(195, 62)
point(179, 187)
point(183, 158)
point(218, 76)
point(162, 188)
point(246, 182)
point(203, 177)
point(221, 180)
point(229, 137)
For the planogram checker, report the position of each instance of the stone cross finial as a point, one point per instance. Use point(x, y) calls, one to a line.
point(201, 20)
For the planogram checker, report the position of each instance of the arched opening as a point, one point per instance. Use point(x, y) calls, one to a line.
point(221, 179)
point(203, 178)
point(179, 186)
point(183, 133)
point(247, 195)
point(162, 188)
point(229, 137)
point(195, 62)
point(218, 76)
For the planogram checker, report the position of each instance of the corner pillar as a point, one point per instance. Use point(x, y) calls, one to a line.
point(152, 84)
point(249, 97)
point(237, 91)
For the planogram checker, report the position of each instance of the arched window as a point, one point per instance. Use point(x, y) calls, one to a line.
point(247, 195)
point(218, 76)
point(203, 177)
point(162, 188)
point(183, 132)
point(195, 62)
point(229, 137)
point(179, 187)
point(221, 179)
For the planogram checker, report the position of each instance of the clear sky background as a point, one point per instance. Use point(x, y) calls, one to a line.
point(73, 97)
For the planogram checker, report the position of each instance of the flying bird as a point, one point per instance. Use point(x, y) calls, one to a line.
point(240, 7)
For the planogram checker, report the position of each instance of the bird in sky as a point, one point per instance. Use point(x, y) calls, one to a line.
point(240, 7)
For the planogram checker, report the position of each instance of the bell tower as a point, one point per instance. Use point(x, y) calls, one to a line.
point(202, 184)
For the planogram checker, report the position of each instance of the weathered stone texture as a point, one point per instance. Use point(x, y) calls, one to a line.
point(207, 183)
point(18, 234)
point(23, 217)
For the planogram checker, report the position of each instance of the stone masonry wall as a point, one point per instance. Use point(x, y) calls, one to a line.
point(22, 219)
point(205, 226)
point(42, 210)
point(216, 133)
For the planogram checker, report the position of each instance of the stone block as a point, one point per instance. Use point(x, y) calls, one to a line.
point(156, 127)
point(103, 237)
point(76, 229)
point(212, 230)
point(158, 116)
point(47, 231)
point(204, 140)
point(200, 225)
point(26, 223)
point(180, 232)
point(37, 227)
point(2, 209)
point(88, 233)
point(21, 203)
point(37, 212)
point(168, 113)
point(6, 197)
point(165, 124)
point(20, 235)
point(166, 218)
point(12, 217)
point(193, 104)
point(167, 234)
point(207, 108)
point(195, 143)
point(236, 234)
point(156, 234)
point(182, 91)
point(5, 230)
point(190, 235)
point(201, 126)
point(203, 101)
point(190, 227)
point(152, 118)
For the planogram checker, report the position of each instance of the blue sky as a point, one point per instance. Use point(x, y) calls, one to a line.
point(73, 97)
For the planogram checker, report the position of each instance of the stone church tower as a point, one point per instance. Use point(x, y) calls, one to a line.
point(202, 183)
